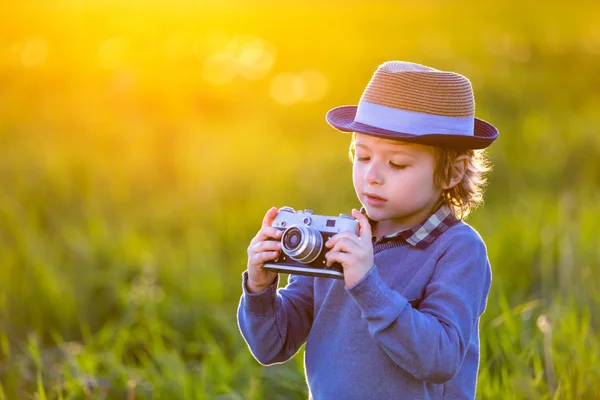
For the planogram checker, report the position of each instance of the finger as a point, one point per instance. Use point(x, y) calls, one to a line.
point(259, 259)
point(364, 230)
point(267, 233)
point(336, 256)
point(269, 217)
point(342, 235)
point(345, 245)
point(267, 245)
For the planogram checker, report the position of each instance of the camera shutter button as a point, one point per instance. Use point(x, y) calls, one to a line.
point(346, 216)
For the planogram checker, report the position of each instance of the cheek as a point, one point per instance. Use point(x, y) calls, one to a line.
point(420, 184)
point(427, 183)
point(356, 175)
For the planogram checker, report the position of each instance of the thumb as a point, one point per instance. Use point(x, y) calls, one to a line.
point(269, 217)
point(363, 223)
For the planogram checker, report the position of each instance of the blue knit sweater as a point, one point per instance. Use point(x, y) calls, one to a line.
point(408, 330)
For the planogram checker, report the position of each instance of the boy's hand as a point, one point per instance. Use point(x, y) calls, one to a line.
point(353, 252)
point(263, 249)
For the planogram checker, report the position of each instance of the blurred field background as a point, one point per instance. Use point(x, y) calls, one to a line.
point(142, 142)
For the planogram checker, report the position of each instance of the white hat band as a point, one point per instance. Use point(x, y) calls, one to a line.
point(414, 123)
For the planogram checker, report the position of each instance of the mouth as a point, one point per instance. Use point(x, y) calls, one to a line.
point(374, 196)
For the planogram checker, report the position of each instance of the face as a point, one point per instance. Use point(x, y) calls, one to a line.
point(394, 182)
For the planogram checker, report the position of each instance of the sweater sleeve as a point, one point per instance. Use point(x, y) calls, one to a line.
point(275, 322)
point(430, 342)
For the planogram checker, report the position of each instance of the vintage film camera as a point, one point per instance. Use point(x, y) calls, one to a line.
point(303, 242)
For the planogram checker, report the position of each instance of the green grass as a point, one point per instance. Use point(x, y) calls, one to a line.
point(128, 195)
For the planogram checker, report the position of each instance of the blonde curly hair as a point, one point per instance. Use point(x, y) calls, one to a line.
point(467, 195)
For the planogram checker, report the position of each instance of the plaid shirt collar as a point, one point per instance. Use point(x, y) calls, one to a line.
point(422, 235)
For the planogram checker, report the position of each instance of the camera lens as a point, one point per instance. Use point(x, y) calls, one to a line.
point(302, 243)
point(291, 241)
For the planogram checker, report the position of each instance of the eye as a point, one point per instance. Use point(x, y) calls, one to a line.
point(362, 159)
point(397, 166)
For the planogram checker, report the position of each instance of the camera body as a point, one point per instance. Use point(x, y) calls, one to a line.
point(303, 242)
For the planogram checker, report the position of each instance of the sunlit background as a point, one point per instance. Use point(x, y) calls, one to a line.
point(141, 143)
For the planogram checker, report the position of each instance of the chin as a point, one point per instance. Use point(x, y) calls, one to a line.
point(374, 213)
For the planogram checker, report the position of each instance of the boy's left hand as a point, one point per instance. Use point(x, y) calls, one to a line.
point(353, 251)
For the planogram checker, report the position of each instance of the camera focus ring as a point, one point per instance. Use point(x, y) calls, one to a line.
point(302, 243)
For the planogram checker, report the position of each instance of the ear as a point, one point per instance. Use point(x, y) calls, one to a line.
point(457, 173)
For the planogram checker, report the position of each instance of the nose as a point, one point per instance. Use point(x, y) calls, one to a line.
point(373, 175)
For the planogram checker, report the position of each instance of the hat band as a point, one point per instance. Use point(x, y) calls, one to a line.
point(414, 123)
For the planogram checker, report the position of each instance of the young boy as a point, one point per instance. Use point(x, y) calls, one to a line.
point(404, 322)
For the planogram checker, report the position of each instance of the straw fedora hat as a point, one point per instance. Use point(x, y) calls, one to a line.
point(418, 104)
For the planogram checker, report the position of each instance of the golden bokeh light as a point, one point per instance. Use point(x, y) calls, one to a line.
point(309, 86)
point(219, 69)
point(254, 56)
point(247, 56)
point(316, 85)
point(287, 88)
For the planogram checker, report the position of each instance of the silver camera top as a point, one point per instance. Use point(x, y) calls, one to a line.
point(287, 217)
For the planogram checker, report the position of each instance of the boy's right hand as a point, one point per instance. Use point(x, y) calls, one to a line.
point(265, 246)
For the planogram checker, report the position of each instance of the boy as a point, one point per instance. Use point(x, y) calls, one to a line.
point(404, 322)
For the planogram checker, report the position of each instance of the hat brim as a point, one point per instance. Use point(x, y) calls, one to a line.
point(342, 118)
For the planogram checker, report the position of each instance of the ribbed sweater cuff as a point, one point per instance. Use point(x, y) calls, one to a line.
point(372, 294)
point(260, 304)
